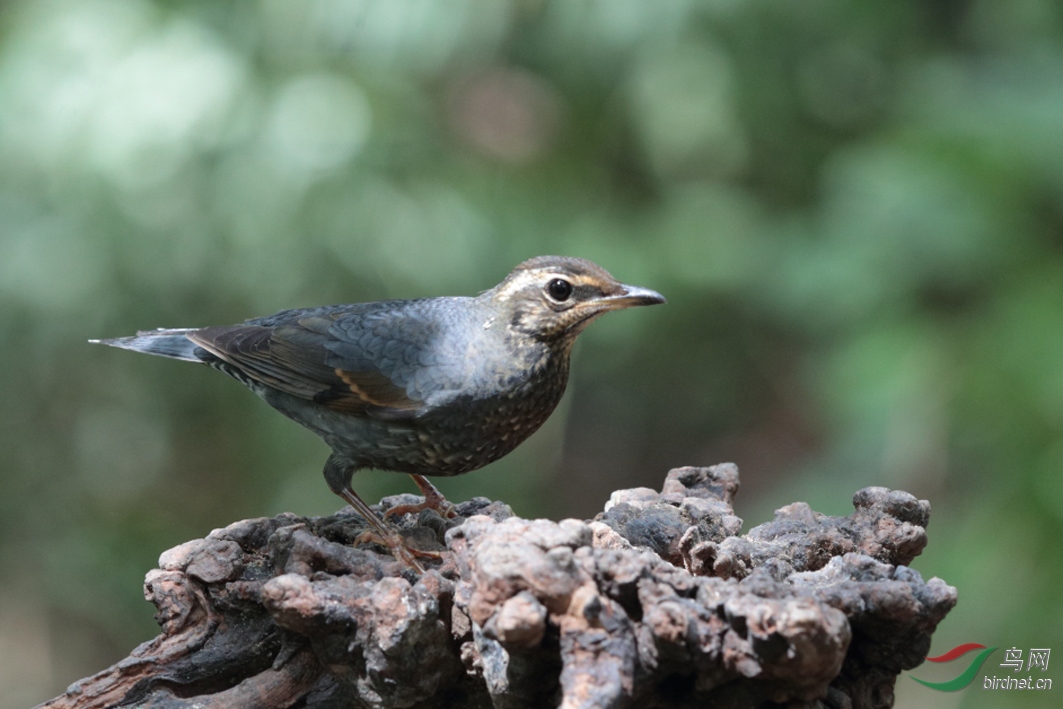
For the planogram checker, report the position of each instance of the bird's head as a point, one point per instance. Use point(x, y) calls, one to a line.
point(552, 298)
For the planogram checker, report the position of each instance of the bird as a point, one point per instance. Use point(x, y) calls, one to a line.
point(429, 387)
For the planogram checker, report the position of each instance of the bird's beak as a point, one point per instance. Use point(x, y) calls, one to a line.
point(631, 296)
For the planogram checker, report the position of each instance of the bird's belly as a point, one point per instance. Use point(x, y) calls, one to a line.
point(464, 435)
point(451, 447)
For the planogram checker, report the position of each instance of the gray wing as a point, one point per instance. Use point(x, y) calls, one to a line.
point(375, 359)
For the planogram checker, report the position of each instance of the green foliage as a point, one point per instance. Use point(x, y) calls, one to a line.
point(855, 210)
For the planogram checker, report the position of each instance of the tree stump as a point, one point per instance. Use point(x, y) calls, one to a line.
point(657, 602)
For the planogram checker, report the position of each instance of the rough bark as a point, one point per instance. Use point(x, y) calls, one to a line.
point(656, 603)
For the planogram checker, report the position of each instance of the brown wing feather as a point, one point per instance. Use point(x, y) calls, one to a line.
point(291, 358)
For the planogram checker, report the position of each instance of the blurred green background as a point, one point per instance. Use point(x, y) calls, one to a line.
point(855, 210)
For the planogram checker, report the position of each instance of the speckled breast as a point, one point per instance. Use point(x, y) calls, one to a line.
point(466, 434)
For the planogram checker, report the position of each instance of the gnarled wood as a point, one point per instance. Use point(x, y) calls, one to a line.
point(658, 602)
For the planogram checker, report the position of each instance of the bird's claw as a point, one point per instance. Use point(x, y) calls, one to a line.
point(433, 500)
point(399, 548)
point(446, 509)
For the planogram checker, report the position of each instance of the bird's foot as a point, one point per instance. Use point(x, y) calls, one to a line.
point(399, 548)
point(383, 534)
point(445, 509)
point(433, 500)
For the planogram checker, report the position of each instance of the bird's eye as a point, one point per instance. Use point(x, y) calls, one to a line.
point(559, 289)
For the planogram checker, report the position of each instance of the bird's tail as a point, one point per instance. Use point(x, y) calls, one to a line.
point(165, 343)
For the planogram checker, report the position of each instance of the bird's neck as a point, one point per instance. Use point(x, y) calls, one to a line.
point(530, 361)
point(537, 362)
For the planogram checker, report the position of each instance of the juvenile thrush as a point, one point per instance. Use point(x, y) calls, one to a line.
point(434, 386)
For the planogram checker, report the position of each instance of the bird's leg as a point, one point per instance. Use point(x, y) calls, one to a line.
point(433, 500)
point(338, 473)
